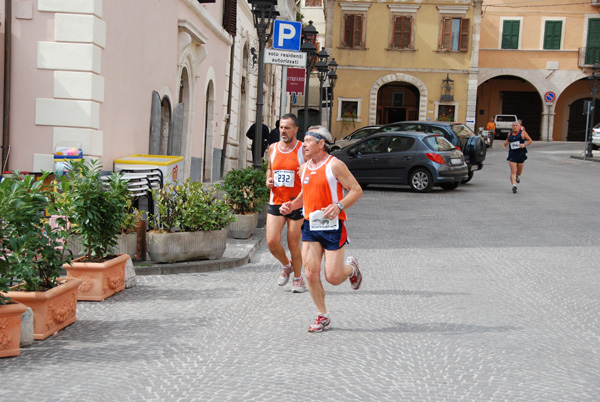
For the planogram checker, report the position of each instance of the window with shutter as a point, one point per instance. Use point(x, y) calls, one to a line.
point(552, 35)
point(313, 3)
point(510, 34)
point(402, 37)
point(454, 34)
point(230, 16)
point(464, 35)
point(353, 30)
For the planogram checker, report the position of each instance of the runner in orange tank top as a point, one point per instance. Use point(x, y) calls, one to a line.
point(285, 158)
point(324, 179)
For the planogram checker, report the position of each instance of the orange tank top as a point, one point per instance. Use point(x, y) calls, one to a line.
point(286, 181)
point(320, 188)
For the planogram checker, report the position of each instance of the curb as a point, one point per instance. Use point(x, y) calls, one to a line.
point(589, 159)
point(238, 253)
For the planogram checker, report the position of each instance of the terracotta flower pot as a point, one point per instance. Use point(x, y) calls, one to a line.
point(53, 309)
point(100, 279)
point(10, 329)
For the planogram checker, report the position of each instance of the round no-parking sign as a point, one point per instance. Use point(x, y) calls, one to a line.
point(550, 96)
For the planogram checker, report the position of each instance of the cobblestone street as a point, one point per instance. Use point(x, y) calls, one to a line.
point(476, 294)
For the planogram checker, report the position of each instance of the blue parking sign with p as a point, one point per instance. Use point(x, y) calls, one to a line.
point(286, 35)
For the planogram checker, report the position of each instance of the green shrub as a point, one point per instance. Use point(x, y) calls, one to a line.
point(246, 190)
point(31, 250)
point(189, 207)
point(97, 207)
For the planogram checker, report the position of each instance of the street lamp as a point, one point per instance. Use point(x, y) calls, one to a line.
point(332, 76)
point(309, 35)
point(323, 69)
point(263, 12)
point(594, 89)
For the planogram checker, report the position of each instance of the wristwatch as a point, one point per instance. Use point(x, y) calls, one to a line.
point(340, 206)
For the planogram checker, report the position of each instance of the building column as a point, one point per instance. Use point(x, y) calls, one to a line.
point(547, 127)
point(75, 57)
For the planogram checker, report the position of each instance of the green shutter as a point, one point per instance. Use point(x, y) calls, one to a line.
point(552, 33)
point(510, 34)
point(592, 50)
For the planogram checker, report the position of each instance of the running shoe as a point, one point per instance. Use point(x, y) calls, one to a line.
point(514, 188)
point(298, 286)
point(356, 277)
point(518, 179)
point(285, 274)
point(320, 325)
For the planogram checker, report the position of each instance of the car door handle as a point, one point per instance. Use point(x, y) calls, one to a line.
point(374, 159)
point(407, 158)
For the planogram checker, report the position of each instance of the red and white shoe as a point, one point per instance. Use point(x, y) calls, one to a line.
point(285, 274)
point(298, 286)
point(356, 277)
point(320, 325)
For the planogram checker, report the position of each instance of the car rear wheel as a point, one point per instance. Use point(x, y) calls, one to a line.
point(449, 186)
point(421, 181)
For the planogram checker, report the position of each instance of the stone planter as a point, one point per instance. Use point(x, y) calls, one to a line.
point(100, 279)
point(244, 226)
point(10, 329)
point(126, 244)
point(53, 309)
point(186, 246)
point(262, 216)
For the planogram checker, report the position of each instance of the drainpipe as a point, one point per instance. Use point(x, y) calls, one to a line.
point(7, 73)
point(228, 122)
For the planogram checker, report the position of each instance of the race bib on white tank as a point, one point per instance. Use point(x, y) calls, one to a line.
point(283, 178)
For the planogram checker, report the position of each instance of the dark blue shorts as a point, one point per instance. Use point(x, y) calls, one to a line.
point(329, 239)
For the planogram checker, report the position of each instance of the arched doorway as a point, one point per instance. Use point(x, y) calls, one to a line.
point(208, 133)
point(397, 101)
point(182, 115)
point(578, 119)
point(165, 126)
point(242, 157)
point(508, 94)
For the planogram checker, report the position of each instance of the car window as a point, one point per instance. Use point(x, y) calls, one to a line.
point(503, 119)
point(358, 135)
point(437, 143)
point(390, 128)
point(372, 146)
point(462, 131)
point(400, 144)
point(411, 127)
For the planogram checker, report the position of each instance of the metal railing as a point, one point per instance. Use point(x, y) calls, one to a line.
point(588, 55)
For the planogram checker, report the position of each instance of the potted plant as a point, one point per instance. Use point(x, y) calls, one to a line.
point(32, 253)
point(189, 223)
point(96, 206)
point(126, 237)
point(246, 193)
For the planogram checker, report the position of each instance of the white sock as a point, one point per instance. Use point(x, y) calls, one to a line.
point(298, 278)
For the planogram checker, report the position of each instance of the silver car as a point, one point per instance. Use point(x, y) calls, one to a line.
point(359, 134)
point(596, 136)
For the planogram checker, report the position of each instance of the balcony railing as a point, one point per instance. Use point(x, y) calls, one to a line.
point(588, 55)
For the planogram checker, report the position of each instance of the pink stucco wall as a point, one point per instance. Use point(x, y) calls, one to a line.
point(141, 56)
point(27, 84)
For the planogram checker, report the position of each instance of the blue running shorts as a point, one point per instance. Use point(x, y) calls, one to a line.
point(329, 239)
